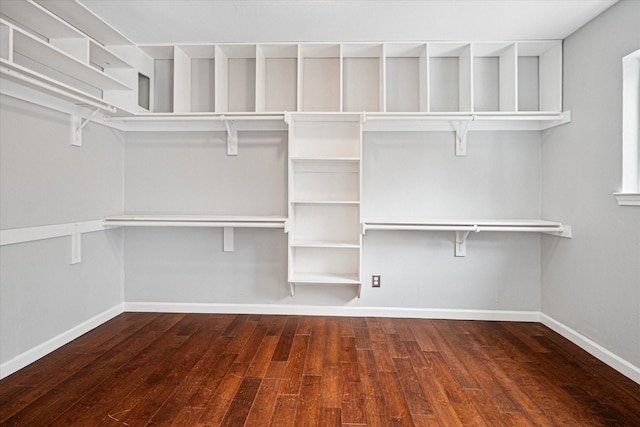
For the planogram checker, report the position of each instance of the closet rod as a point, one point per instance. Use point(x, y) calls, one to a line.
point(43, 85)
point(465, 117)
point(216, 117)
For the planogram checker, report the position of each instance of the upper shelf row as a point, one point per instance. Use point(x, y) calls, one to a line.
point(275, 77)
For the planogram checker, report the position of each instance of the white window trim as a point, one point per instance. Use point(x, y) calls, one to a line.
point(630, 194)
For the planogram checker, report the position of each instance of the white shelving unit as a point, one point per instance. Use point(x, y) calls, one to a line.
point(324, 94)
point(69, 45)
point(324, 199)
point(42, 50)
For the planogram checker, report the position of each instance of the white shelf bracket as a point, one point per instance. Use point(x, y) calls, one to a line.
point(228, 239)
point(461, 242)
point(77, 124)
point(565, 232)
point(76, 247)
point(292, 289)
point(232, 137)
point(461, 136)
point(286, 226)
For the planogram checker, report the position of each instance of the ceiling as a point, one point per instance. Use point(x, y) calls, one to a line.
point(224, 21)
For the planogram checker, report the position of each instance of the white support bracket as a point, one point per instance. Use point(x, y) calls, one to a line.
point(460, 249)
point(232, 137)
point(76, 246)
point(77, 124)
point(228, 239)
point(461, 136)
point(292, 289)
point(565, 232)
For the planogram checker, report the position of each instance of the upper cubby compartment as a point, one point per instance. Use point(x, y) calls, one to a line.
point(194, 72)
point(494, 77)
point(362, 83)
point(276, 77)
point(450, 77)
point(406, 77)
point(235, 78)
point(319, 71)
point(539, 76)
point(161, 78)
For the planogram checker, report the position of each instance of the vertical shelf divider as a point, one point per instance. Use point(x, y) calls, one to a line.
point(181, 81)
point(465, 76)
point(509, 78)
point(551, 78)
point(222, 79)
point(423, 70)
point(382, 89)
point(261, 80)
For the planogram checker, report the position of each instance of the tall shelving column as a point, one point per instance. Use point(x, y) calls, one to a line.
point(325, 237)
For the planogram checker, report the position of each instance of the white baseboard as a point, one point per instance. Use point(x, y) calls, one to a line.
point(313, 310)
point(58, 341)
point(593, 348)
point(606, 356)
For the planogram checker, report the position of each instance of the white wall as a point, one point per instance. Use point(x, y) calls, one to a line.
point(591, 283)
point(405, 174)
point(43, 181)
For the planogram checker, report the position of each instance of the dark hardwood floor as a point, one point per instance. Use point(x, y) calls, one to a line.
point(262, 370)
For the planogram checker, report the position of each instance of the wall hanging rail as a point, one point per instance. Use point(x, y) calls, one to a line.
point(462, 227)
point(226, 222)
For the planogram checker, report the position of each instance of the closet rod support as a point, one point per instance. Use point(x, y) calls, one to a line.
point(460, 249)
point(232, 137)
point(461, 136)
point(78, 124)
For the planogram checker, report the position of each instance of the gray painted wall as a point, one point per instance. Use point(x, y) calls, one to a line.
point(46, 181)
point(406, 174)
point(592, 282)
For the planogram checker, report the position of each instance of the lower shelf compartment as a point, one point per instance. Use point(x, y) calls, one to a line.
point(324, 279)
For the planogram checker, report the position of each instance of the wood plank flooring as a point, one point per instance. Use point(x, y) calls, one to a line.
point(263, 370)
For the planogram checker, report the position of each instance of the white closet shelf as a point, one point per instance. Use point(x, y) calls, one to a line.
point(35, 17)
point(86, 21)
point(477, 121)
point(475, 225)
point(325, 278)
point(104, 58)
point(463, 227)
point(324, 244)
point(326, 159)
point(44, 53)
point(325, 202)
point(29, 78)
point(196, 221)
point(201, 121)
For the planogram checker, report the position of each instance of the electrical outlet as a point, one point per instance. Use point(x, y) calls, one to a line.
point(375, 281)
